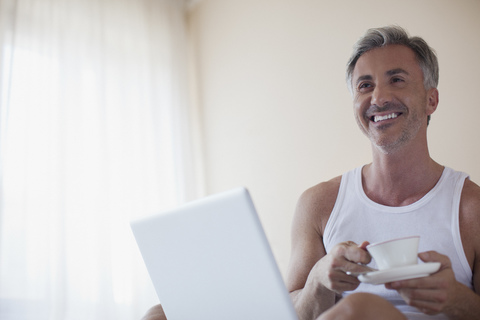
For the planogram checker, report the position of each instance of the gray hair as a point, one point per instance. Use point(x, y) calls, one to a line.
point(380, 37)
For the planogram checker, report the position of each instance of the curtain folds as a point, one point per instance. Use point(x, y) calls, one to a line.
point(95, 131)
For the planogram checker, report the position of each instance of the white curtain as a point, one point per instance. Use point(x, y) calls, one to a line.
point(94, 132)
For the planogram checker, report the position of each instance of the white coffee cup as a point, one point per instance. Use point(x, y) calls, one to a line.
point(395, 253)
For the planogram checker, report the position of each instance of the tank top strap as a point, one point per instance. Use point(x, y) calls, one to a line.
point(346, 189)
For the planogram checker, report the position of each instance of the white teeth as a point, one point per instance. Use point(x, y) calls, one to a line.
point(385, 117)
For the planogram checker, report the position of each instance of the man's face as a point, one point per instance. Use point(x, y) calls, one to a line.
point(390, 101)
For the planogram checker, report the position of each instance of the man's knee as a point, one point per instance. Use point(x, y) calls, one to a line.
point(364, 299)
point(362, 306)
point(155, 313)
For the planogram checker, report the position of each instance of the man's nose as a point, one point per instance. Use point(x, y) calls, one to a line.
point(381, 96)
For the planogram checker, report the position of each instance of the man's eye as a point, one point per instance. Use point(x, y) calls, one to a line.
point(397, 80)
point(363, 86)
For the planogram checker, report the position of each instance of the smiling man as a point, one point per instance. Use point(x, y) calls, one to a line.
point(393, 79)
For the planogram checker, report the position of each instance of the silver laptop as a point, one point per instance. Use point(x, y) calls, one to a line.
point(210, 260)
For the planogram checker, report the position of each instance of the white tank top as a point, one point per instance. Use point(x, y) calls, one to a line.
point(435, 218)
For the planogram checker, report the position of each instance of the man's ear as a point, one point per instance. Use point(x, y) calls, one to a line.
point(432, 102)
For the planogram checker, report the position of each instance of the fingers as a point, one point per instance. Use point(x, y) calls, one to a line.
point(429, 301)
point(338, 281)
point(438, 280)
point(346, 256)
point(352, 252)
point(431, 283)
point(433, 256)
point(431, 294)
point(364, 245)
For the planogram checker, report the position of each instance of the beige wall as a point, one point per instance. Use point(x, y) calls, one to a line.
point(276, 115)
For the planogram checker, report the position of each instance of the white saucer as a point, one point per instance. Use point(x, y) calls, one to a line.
point(402, 273)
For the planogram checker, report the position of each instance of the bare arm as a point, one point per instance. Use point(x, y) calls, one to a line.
point(307, 249)
point(466, 303)
point(315, 279)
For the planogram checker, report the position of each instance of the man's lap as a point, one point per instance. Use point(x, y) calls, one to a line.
point(360, 306)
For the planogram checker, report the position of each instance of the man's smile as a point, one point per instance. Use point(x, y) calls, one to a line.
point(378, 118)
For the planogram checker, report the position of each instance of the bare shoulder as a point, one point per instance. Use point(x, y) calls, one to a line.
point(312, 212)
point(470, 197)
point(470, 225)
point(470, 208)
point(317, 202)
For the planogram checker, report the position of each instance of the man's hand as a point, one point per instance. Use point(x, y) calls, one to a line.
point(433, 294)
point(331, 270)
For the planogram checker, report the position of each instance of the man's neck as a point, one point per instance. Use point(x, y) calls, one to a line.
point(400, 179)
